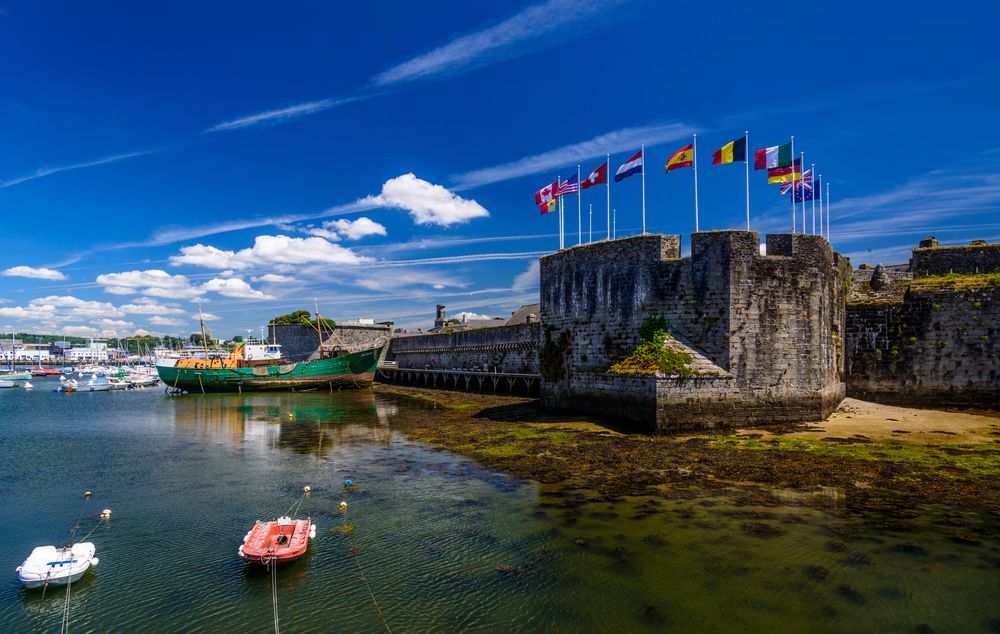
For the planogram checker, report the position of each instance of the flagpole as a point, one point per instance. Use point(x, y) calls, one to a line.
point(642, 151)
point(794, 220)
point(820, 204)
point(812, 169)
point(828, 212)
point(694, 160)
point(579, 204)
point(558, 183)
point(802, 160)
point(607, 179)
point(614, 223)
point(590, 223)
point(746, 162)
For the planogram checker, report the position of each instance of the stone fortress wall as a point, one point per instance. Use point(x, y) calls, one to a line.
point(300, 343)
point(507, 349)
point(927, 336)
point(765, 330)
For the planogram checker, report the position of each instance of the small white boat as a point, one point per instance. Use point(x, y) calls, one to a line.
point(95, 384)
point(4, 383)
point(56, 566)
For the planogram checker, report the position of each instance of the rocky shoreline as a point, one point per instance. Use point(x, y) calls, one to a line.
point(956, 463)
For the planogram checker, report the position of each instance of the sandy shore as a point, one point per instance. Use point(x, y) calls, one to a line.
point(904, 424)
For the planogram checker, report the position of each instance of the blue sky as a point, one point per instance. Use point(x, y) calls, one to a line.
point(383, 159)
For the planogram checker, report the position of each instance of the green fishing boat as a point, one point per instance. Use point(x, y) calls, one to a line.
point(258, 365)
point(350, 370)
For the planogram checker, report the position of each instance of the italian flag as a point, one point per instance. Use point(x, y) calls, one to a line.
point(776, 156)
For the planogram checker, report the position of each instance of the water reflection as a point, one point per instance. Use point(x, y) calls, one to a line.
point(304, 423)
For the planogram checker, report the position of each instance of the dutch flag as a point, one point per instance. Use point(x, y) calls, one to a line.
point(629, 167)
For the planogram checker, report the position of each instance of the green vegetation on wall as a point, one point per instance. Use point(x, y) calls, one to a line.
point(651, 356)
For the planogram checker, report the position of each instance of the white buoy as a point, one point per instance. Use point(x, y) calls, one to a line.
point(106, 514)
point(307, 488)
point(87, 494)
point(343, 506)
point(27, 385)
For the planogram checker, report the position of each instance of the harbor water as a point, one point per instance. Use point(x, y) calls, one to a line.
point(432, 541)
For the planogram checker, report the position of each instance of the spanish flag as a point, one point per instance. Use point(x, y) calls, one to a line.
point(785, 174)
point(732, 152)
point(684, 157)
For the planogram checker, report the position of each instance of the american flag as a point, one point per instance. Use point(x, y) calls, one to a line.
point(805, 182)
point(568, 186)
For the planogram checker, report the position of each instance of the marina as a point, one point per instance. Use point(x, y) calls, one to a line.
point(446, 543)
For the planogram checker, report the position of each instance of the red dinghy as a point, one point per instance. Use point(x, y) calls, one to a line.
point(279, 541)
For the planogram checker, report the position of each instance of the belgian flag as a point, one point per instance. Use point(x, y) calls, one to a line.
point(732, 152)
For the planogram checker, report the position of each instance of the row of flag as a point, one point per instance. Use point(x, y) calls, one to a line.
point(783, 169)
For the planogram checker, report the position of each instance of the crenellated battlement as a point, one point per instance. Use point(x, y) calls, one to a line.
point(770, 323)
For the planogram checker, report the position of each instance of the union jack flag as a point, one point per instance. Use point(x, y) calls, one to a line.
point(803, 183)
point(568, 186)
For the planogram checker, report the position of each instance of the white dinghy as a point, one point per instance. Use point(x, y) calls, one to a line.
point(56, 566)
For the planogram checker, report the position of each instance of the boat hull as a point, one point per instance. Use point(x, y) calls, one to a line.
point(277, 542)
point(56, 566)
point(355, 370)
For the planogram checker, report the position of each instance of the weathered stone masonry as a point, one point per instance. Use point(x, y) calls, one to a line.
point(913, 344)
point(299, 343)
point(768, 328)
point(507, 349)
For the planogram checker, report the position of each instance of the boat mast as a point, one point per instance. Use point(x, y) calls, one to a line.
point(204, 341)
point(319, 327)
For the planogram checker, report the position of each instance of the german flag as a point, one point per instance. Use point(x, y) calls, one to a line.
point(785, 174)
point(732, 152)
point(683, 157)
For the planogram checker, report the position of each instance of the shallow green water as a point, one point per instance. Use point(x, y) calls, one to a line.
point(445, 544)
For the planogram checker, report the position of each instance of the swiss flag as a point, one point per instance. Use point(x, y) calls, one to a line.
point(597, 177)
point(546, 193)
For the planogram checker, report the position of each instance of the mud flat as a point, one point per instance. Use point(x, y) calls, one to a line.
point(872, 455)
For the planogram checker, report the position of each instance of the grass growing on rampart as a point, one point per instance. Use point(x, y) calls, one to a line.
point(651, 357)
point(957, 282)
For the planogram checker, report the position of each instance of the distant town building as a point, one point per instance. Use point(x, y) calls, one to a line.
point(93, 351)
point(442, 324)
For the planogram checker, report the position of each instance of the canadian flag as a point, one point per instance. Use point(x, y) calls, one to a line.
point(597, 177)
point(546, 193)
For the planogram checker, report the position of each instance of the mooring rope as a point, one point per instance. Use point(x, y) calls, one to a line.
point(274, 590)
point(354, 553)
point(64, 628)
point(295, 505)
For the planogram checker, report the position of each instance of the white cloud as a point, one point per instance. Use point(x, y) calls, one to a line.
point(75, 307)
point(149, 306)
point(79, 331)
point(273, 278)
point(50, 313)
point(624, 140)
point(466, 315)
point(152, 282)
point(46, 171)
point(281, 115)
point(528, 279)
point(394, 279)
point(157, 320)
point(205, 316)
point(269, 251)
point(234, 287)
point(349, 229)
point(535, 28)
point(115, 323)
point(428, 204)
point(34, 273)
